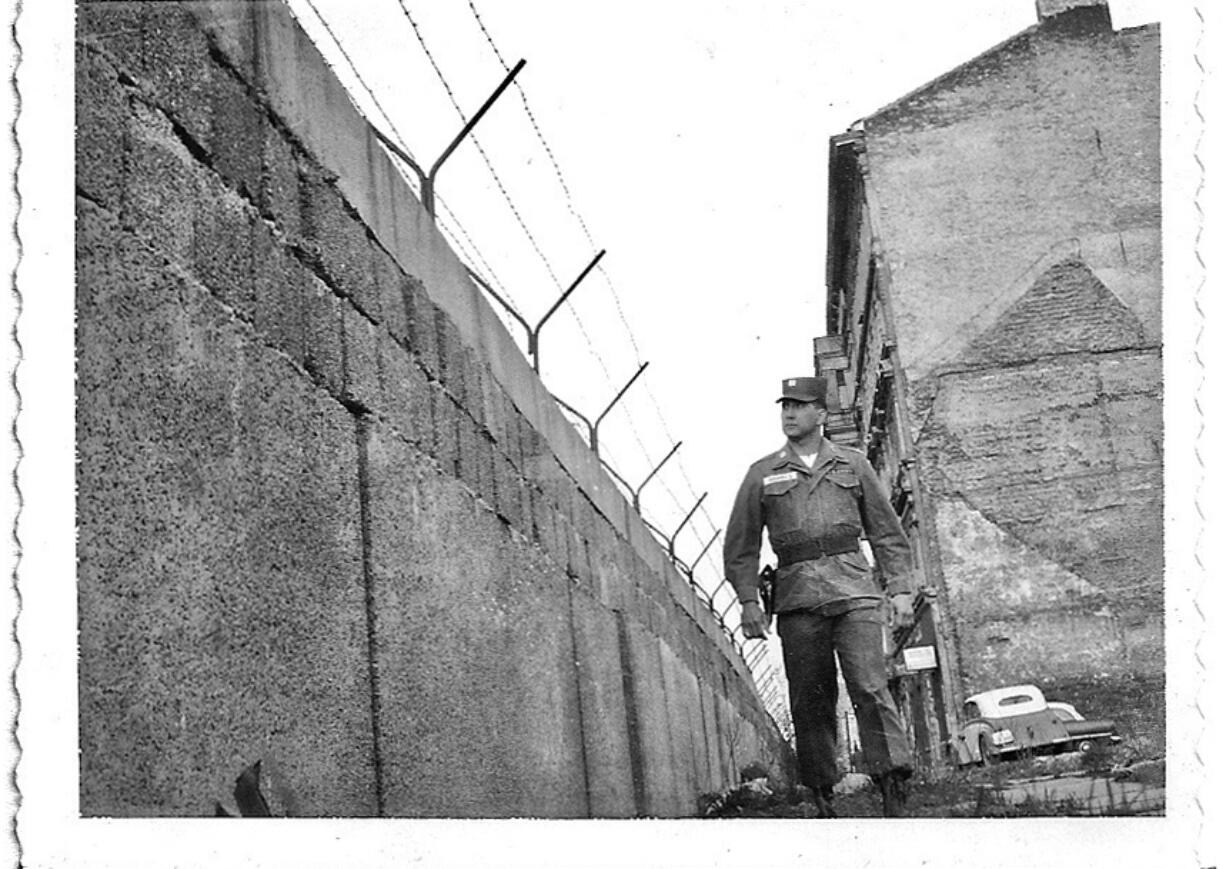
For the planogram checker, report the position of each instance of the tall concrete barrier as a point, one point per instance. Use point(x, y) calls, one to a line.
point(330, 521)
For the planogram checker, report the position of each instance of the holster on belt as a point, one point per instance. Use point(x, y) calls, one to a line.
point(766, 590)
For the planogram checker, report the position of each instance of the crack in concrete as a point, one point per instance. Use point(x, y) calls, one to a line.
point(362, 435)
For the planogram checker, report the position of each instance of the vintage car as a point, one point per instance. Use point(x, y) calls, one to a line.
point(1008, 723)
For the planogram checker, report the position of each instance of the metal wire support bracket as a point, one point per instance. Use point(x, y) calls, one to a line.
point(654, 471)
point(593, 428)
point(427, 179)
point(701, 594)
point(534, 334)
point(690, 567)
point(612, 473)
point(630, 489)
point(672, 541)
point(499, 299)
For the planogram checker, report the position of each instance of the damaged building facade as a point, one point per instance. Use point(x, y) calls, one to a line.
point(994, 339)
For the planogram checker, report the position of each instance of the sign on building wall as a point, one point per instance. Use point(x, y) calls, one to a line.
point(918, 658)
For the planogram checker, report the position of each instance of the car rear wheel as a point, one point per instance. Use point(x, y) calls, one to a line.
point(1085, 746)
point(986, 757)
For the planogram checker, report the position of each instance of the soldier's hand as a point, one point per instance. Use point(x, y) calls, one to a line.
point(904, 609)
point(754, 623)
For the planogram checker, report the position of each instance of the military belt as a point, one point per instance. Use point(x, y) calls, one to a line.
point(810, 551)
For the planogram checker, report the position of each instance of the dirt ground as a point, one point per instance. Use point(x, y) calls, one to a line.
point(1053, 787)
point(1124, 779)
point(1114, 781)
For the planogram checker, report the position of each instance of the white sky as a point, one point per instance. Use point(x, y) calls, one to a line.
point(693, 139)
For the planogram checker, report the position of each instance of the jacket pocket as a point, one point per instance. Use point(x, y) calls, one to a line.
point(840, 492)
point(781, 507)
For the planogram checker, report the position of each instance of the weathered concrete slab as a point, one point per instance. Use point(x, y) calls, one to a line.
point(220, 586)
point(652, 739)
point(724, 744)
point(477, 691)
point(716, 775)
point(685, 729)
point(606, 736)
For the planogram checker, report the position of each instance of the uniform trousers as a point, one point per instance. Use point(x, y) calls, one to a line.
point(810, 643)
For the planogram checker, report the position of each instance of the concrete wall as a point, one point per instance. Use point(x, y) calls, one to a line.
point(329, 519)
point(1016, 204)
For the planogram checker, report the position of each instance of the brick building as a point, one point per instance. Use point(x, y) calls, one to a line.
point(994, 319)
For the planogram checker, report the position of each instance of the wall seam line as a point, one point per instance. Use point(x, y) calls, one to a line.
point(632, 717)
point(574, 647)
point(362, 432)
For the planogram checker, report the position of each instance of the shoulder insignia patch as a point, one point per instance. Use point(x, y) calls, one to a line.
point(778, 478)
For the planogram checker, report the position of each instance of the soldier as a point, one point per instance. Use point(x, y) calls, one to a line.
point(816, 500)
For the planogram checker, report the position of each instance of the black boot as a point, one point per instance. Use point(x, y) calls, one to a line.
point(825, 802)
point(893, 786)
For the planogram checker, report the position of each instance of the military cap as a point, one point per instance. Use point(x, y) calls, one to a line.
point(804, 389)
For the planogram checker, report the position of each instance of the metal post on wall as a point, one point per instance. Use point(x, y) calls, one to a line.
point(637, 492)
point(428, 179)
point(699, 591)
point(605, 412)
point(733, 631)
point(616, 476)
point(534, 337)
point(672, 541)
point(500, 300)
point(593, 428)
point(694, 564)
point(709, 597)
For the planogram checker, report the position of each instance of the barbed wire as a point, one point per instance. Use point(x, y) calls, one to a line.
point(570, 202)
point(456, 232)
point(358, 75)
point(502, 187)
point(535, 126)
point(470, 247)
point(477, 143)
point(571, 206)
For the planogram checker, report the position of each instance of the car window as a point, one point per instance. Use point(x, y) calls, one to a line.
point(1016, 699)
point(971, 709)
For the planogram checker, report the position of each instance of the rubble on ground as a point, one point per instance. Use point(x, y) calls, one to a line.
point(852, 783)
point(759, 795)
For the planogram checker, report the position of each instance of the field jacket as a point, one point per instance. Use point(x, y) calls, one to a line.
point(815, 518)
